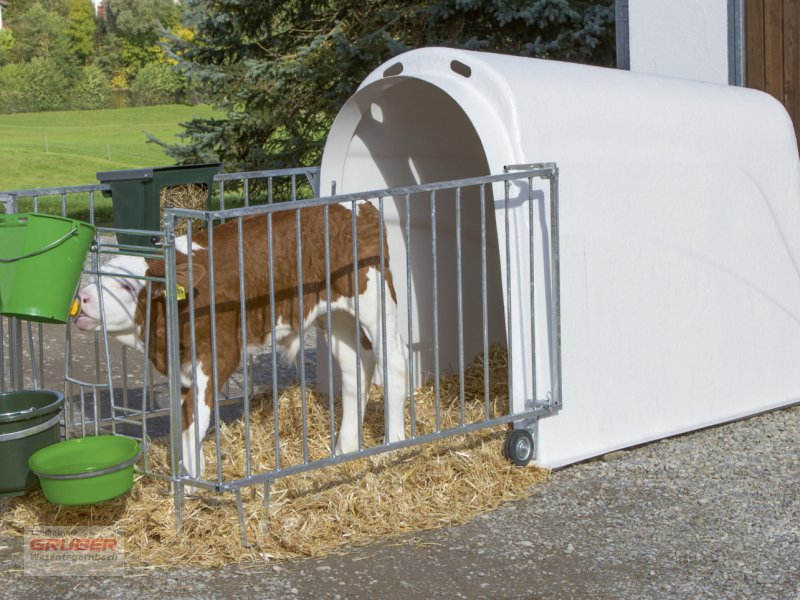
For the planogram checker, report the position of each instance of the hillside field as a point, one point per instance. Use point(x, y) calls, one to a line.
point(56, 149)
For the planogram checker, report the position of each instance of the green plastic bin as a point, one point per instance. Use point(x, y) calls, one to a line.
point(135, 196)
point(41, 259)
point(28, 422)
point(86, 470)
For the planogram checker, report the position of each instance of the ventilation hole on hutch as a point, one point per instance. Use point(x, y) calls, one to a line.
point(460, 68)
point(395, 69)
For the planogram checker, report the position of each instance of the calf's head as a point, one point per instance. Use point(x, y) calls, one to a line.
point(123, 293)
point(120, 296)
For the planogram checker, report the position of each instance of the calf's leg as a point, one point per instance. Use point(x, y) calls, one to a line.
point(343, 347)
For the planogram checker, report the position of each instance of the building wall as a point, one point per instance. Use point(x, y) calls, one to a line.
point(680, 38)
point(773, 51)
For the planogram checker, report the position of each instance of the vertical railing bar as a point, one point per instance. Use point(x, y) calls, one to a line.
point(509, 332)
point(532, 292)
point(434, 259)
point(240, 514)
point(484, 305)
point(294, 188)
point(265, 520)
point(383, 340)
point(329, 326)
point(173, 366)
point(247, 192)
point(555, 261)
point(301, 319)
point(222, 195)
point(269, 191)
point(245, 370)
point(125, 376)
point(63, 204)
point(409, 279)
point(359, 383)
point(109, 374)
point(40, 331)
point(83, 412)
point(91, 208)
point(460, 310)
point(34, 361)
point(274, 337)
point(194, 392)
point(147, 390)
point(214, 367)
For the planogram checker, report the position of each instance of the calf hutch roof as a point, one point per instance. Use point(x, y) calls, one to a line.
point(679, 244)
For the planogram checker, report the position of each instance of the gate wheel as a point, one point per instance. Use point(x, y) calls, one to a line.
point(518, 447)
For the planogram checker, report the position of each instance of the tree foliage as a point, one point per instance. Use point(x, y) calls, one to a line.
point(281, 70)
point(81, 29)
point(89, 53)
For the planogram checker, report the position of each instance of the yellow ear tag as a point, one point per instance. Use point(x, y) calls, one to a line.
point(74, 308)
point(180, 290)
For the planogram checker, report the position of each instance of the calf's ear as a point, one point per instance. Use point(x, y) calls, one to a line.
point(182, 275)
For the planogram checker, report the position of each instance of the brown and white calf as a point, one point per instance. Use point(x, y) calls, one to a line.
point(124, 301)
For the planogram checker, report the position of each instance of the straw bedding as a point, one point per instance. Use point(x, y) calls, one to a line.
point(312, 514)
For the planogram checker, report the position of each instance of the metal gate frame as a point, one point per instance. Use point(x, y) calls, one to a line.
point(499, 186)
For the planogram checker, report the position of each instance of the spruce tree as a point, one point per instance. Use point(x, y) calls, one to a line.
point(280, 70)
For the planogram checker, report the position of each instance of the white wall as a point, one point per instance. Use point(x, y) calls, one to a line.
point(680, 38)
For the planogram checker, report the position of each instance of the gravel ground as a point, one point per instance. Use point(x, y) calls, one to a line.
point(712, 514)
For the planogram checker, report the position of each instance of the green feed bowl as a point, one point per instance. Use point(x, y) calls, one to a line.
point(86, 470)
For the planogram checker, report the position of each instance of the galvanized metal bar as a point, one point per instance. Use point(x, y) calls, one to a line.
point(276, 421)
point(509, 330)
point(245, 370)
point(222, 195)
point(537, 170)
point(409, 279)
point(173, 369)
point(194, 391)
point(265, 519)
point(246, 191)
point(374, 450)
point(242, 524)
point(532, 271)
point(460, 308)
point(16, 369)
point(55, 191)
point(357, 339)
point(383, 341)
point(484, 305)
point(555, 270)
point(147, 374)
point(435, 265)
point(268, 173)
point(328, 328)
point(124, 361)
point(34, 370)
point(214, 363)
point(301, 319)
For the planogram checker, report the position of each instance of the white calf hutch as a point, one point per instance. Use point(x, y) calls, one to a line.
point(632, 240)
point(679, 230)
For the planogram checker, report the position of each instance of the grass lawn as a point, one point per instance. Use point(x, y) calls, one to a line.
point(56, 149)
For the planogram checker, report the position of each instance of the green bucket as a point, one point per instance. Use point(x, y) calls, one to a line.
point(41, 259)
point(86, 470)
point(28, 422)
